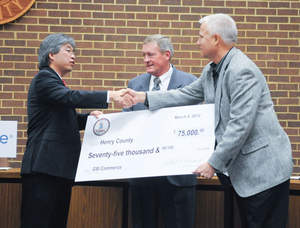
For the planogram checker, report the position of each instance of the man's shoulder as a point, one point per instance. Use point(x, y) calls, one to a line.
point(47, 73)
point(140, 77)
point(43, 75)
point(185, 75)
point(139, 81)
point(239, 61)
point(46, 70)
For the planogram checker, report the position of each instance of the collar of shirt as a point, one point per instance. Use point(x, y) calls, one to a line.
point(218, 67)
point(57, 74)
point(164, 78)
point(60, 78)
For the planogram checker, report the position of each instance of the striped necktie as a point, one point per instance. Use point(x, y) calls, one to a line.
point(156, 84)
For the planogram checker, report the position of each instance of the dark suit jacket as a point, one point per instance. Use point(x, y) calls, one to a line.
point(53, 144)
point(178, 80)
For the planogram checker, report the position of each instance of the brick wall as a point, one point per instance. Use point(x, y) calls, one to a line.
point(109, 35)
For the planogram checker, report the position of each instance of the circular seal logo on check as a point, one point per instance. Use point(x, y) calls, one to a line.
point(101, 126)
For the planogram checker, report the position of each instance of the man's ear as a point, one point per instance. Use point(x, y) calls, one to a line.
point(168, 54)
point(217, 39)
point(50, 56)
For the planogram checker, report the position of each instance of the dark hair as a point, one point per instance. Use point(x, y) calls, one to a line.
point(52, 44)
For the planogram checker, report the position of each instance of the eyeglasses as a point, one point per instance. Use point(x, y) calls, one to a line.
point(69, 51)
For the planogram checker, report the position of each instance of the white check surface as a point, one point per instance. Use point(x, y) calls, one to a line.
point(169, 141)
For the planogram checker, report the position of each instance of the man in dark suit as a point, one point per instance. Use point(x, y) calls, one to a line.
point(253, 152)
point(53, 145)
point(174, 195)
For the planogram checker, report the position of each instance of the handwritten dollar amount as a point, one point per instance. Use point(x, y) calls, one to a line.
point(188, 132)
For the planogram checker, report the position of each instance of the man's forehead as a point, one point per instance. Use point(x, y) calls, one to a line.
point(150, 46)
point(203, 29)
point(153, 43)
point(68, 45)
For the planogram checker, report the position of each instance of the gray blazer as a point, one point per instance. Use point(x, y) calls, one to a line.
point(251, 145)
point(178, 79)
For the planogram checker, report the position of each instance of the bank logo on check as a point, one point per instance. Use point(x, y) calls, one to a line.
point(101, 126)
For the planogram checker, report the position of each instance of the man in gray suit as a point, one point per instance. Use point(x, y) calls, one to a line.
point(175, 195)
point(252, 151)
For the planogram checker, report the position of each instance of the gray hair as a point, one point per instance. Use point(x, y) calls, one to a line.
point(52, 44)
point(162, 42)
point(223, 25)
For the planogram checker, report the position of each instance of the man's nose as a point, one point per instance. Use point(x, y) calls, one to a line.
point(146, 58)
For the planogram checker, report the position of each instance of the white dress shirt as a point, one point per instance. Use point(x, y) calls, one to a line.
point(164, 78)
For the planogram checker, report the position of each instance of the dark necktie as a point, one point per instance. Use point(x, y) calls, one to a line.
point(214, 74)
point(156, 84)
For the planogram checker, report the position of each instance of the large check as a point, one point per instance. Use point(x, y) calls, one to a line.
point(169, 141)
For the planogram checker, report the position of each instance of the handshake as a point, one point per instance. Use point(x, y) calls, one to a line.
point(127, 97)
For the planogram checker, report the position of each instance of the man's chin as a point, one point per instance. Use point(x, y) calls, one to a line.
point(150, 71)
point(66, 71)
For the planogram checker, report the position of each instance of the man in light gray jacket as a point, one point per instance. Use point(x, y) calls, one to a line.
point(253, 153)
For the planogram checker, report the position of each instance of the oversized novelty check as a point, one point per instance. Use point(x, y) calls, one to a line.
point(169, 141)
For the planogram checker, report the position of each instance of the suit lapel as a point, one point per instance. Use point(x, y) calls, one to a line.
point(218, 92)
point(175, 81)
point(56, 74)
point(145, 82)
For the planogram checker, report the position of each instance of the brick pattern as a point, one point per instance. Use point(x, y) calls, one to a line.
point(109, 35)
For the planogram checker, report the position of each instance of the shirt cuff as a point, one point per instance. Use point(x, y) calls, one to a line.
point(107, 98)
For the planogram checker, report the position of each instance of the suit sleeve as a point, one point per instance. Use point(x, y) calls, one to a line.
point(245, 92)
point(188, 95)
point(52, 92)
point(81, 119)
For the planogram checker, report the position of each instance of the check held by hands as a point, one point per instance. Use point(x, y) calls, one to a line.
point(128, 97)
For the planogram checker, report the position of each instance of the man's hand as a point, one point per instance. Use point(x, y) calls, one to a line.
point(205, 170)
point(127, 97)
point(136, 97)
point(96, 113)
point(120, 96)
